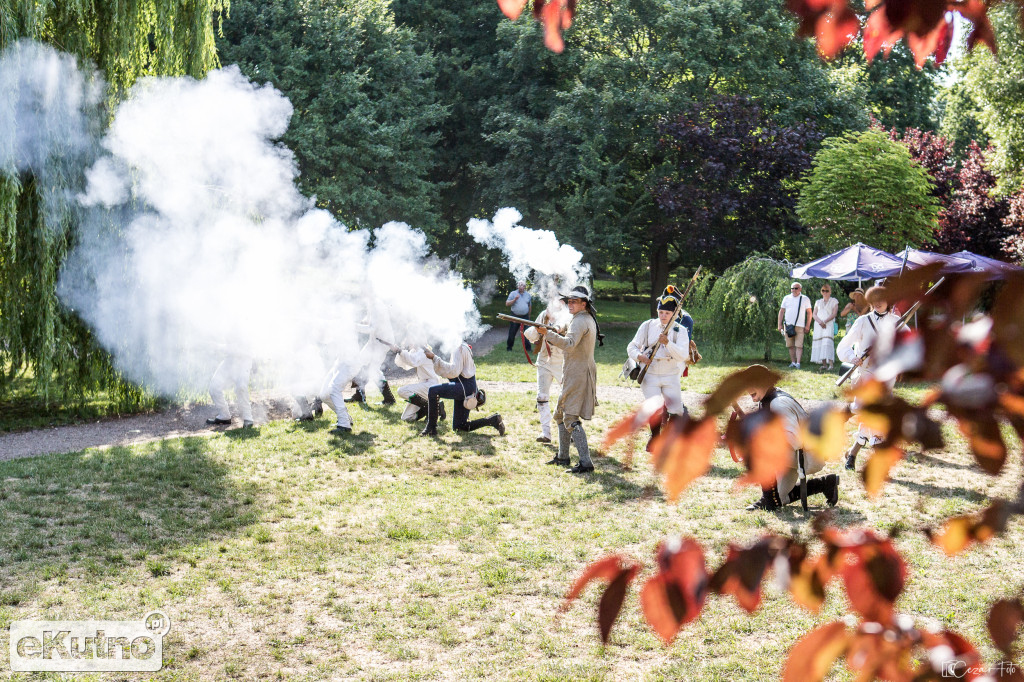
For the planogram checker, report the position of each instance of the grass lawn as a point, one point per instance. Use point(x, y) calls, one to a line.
point(285, 554)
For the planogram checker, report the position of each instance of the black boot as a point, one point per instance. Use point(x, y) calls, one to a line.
point(770, 500)
point(826, 485)
point(389, 397)
point(655, 430)
point(851, 456)
point(431, 428)
point(356, 397)
point(442, 414)
point(420, 403)
point(494, 420)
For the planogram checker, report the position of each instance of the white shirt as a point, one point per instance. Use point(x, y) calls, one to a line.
point(461, 364)
point(416, 359)
point(864, 336)
point(522, 304)
point(548, 355)
point(669, 359)
point(795, 307)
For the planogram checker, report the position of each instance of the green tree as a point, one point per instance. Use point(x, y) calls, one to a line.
point(996, 85)
point(578, 150)
point(864, 187)
point(744, 303)
point(126, 39)
point(365, 116)
point(893, 90)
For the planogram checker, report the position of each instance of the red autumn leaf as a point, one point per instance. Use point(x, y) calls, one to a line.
point(835, 29)
point(737, 384)
point(976, 11)
point(607, 569)
point(675, 595)
point(807, 583)
point(878, 32)
point(915, 16)
point(960, 532)
point(964, 663)
point(1004, 619)
point(877, 653)
point(874, 575)
point(763, 443)
point(1008, 318)
point(982, 432)
point(927, 44)
point(813, 655)
point(824, 433)
point(682, 452)
point(556, 17)
point(611, 601)
point(643, 416)
point(876, 470)
point(744, 570)
point(512, 8)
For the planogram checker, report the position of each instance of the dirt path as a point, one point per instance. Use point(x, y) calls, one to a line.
point(190, 420)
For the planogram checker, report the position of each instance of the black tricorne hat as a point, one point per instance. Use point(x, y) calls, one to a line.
point(579, 291)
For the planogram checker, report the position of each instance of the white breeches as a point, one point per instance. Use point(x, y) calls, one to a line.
point(790, 477)
point(331, 392)
point(666, 385)
point(866, 436)
point(408, 390)
point(545, 375)
point(233, 371)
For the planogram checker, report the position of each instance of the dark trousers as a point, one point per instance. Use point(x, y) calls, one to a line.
point(456, 390)
point(513, 331)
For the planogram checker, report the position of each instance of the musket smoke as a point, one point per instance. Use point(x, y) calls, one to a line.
point(530, 252)
point(193, 240)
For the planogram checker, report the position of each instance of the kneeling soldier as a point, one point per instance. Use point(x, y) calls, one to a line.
point(787, 487)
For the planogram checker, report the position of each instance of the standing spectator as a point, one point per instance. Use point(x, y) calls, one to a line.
point(794, 322)
point(521, 303)
point(823, 350)
point(857, 306)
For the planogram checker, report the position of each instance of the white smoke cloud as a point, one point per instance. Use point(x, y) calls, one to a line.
point(531, 254)
point(193, 241)
point(49, 115)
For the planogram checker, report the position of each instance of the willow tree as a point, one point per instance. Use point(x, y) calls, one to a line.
point(125, 40)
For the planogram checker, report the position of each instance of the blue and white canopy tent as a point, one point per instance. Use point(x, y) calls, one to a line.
point(854, 263)
point(951, 264)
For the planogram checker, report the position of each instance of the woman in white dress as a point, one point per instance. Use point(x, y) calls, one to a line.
point(823, 350)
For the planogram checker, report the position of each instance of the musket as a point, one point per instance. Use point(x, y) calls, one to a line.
point(528, 323)
point(904, 318)
point(679, 311)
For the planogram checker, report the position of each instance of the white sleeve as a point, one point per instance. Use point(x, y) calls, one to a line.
point(531, 333)
point(679, 349)
point(845, 350)
point(638, 342)
point(451, 368)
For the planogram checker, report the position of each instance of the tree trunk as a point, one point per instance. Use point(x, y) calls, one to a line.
point(659, 273)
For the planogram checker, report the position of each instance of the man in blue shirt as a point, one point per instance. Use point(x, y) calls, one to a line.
point(520, 302)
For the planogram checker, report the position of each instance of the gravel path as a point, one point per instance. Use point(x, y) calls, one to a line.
point(190, 420)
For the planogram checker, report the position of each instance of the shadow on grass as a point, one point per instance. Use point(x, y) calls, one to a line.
point(939, 492)
point(931, 460)
point(89, 515)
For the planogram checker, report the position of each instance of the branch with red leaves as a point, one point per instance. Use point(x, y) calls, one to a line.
point(978, 371)
point(877, 641)
point(927, 25)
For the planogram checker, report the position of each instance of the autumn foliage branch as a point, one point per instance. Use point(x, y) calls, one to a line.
point(978, 372)
point(926, 25)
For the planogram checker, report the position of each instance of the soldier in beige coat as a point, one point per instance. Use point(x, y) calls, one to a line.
point(579, 378)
